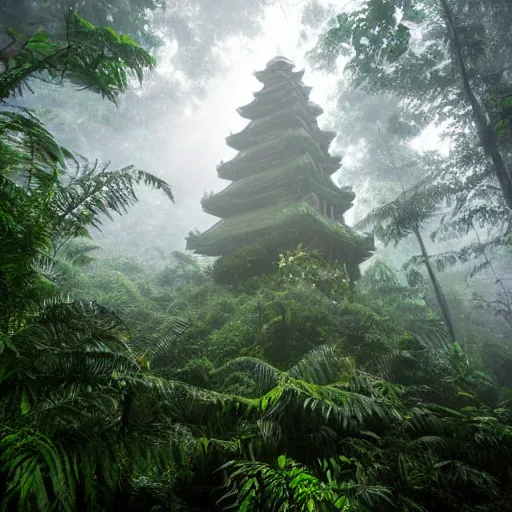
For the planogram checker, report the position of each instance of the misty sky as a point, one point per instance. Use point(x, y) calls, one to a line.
point(282, 33)
point(168, 129)
point(188, 138)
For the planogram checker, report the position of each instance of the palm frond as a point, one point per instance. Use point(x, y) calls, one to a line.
point(66, 342)
point(270, 431)
point(345, 409)
point(373, 496)
point(175, 328)
point(465, 475)
point(78, 252)
point(320, 366)
point(423, 419)
point(93, 192)
point(29, 458)
point(409, 504)
point(391, 365)
point(266, 375)
point(94, 58)
point(28, 148)
point(77, 411)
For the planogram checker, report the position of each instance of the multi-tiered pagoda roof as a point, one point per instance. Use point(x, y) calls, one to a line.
point(282, 193)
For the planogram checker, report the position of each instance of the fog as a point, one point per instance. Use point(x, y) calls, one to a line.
point(170, 128)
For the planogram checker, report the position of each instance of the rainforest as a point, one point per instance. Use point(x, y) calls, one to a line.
point(255, 255)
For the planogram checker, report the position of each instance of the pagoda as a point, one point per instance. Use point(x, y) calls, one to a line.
point(282, 193)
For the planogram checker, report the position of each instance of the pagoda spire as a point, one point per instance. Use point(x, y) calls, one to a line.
point(282, 193)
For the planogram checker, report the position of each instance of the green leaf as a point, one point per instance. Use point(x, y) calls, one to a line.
point(128, 40)
point(83, 23)
point(502, 128)
point(507, 102)
point(281, 461)
point(113, 33)
point(25, 406)
point(41, 47)
point(341, 503)
point(4, 342)
point(40, 37)
point(14, 34)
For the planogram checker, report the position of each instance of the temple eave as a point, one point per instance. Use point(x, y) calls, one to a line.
point(299, 222)
point(280, 120)
point(269, 76)
point(226, 207)
point(244, 139)
point(266, 155)
point(259, 108)
point(269, 187)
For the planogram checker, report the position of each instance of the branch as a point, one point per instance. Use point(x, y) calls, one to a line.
point(487, 135)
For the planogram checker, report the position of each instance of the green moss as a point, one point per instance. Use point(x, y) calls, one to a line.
point(275, 152)
point(290, 182)
point(280, 227)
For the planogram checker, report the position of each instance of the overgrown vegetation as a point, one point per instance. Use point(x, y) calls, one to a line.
point(442, 64)
point(188, 387)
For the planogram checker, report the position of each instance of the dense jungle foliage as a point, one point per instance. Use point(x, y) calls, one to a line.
point(190, 386)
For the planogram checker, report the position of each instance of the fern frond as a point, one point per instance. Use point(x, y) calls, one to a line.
point(397, 219)
point(93, 192)
point(462, 474)
point(266, 375)
point(320, 366)
point(29, 458)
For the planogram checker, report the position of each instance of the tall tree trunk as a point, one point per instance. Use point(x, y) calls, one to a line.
point(441, 299)
point(485, 130)
point(443, 304)
point(4, 296)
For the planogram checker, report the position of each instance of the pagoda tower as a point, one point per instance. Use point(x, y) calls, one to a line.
point(282, 193)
